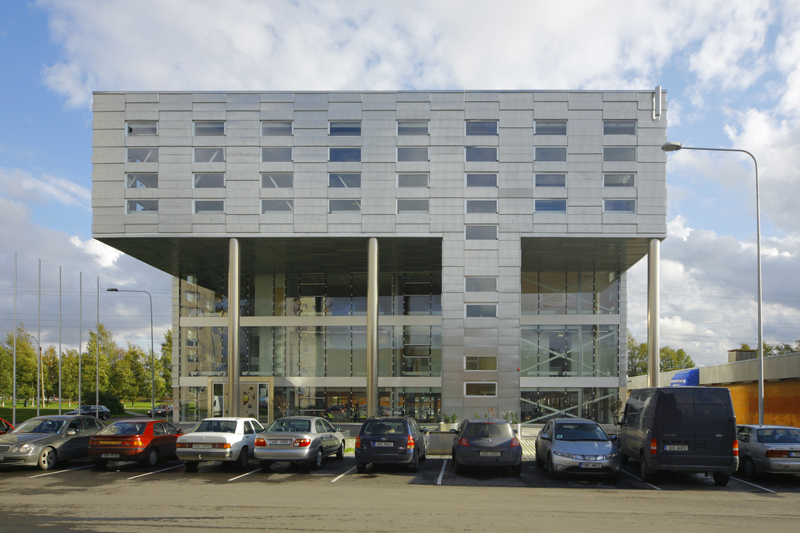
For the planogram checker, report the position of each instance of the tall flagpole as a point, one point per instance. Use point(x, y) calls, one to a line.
point(80, 337)
point(59, 339)
point(39, 384)
point(14, 334)
point(97, 351)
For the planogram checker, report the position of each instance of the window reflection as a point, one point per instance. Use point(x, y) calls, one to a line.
point(569, 351)
point(538, 405)
point(569, 293)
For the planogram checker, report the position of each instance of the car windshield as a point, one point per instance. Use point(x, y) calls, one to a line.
point(40, 425)
point(573, 431)
point(487, 430)
point(289, 424)
point(779, 436)
point(124, 428)
point(384, 427)
point(215, 426)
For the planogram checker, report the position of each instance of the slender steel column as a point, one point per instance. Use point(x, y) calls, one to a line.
point(372, 328)
point(80, 336)
point(653, 340)
point(39, 380)
point(233, 328)
point(59, 340)
point(14, 333)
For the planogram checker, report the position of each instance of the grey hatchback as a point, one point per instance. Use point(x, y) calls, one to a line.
point(486, 442)
point(46, 439)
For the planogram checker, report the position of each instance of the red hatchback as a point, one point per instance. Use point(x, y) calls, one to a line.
point(5, 427)
point(145, 441)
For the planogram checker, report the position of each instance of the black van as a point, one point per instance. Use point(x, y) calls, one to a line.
point(681, 429)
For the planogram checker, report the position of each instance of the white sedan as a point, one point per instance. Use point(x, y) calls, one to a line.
point(219, 439)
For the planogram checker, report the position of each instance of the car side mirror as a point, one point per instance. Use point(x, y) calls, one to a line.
point(453, 431)
point(515, 431)
point(71, 432)
point(424, 430)
point(339, 430)
point(544, 436)
point(614, 438)
point(180, 432)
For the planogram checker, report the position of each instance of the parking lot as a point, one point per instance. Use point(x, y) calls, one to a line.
point(79, 496)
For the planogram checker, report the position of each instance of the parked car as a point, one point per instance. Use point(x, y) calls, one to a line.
point(45, 440)
point(768, 449)
point(681, 429)
point(89, 410)
point(219, 439)
point(5, 427)
point(299, 439)
point(486, 442)
point(577, 446)
point(391, 440)
point(163, 410)
point(145, 441)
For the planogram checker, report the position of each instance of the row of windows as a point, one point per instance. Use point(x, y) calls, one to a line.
point(216, 128)
point(411, 154)
point(285, 180)
point(408, 206)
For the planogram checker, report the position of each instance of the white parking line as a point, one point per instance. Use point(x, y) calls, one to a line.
point(638, 479)
point(247, 474)
point(156, 472)
point(753, 485)
point(61, 471)
point(444, 464)
point(337, 478)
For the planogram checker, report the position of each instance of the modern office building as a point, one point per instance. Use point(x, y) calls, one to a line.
point(505, 222)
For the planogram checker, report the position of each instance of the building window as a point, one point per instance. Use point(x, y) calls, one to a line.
point(209, 155)
point(619, 127)
point(276, 128)
point(481, 310)
point(569, 351)
point(551, 180)
point(277, 181)
point(556, 206)
point(619, 206)
point(481, 389)
point(345, 129)
point(209, 206)
point(141, 181)
point(475, 284)
point(570, 293)
point(209, 128)
point(413, 127)
point(619, 153)
point(412, 206)
point(142, 155)
point(480, 153)
point(412, 180)
point(344, 181)
point(276, 155)
point(277, 206)
point(481, 127)
point(618, 180)
point(480, 362)
point(480, 233)
point(481, 180)
point(481, 206)
point(209, 181)
point(345, 155)
point(549, 153)
point(411, 154)
point(344, 206)
point(142, 206)
point(135, 129)
point(550, 127)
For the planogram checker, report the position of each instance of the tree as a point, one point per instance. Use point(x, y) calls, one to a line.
point(69, 375)
point(637, 357)
point(89, 374)
point(126, 376)
point(669, 358)
point(27, 365)
point(165, 367)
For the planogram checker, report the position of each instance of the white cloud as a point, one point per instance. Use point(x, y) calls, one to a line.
point(105, 255)
point(21, 184)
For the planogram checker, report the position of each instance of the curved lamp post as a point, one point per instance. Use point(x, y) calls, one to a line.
point(152, 351)
point(674, 147)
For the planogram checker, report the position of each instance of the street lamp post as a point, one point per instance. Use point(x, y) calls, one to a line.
point(674, 147)
point(152, 351)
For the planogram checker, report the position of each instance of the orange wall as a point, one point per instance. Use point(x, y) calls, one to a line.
point(781, 402)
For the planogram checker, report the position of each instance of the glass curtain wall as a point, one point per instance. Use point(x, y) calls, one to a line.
point(570, 293)
point(538, 405)
point(569, 351)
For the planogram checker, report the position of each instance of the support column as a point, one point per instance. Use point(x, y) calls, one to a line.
point(372, 328)
point(233, 328)
point(653, 338)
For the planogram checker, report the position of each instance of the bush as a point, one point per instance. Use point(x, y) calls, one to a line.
point(107, 399)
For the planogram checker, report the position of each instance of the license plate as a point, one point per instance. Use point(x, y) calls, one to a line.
point(280, 442)
point(107, 442)
point(383, 444)
point(201, 446)
point(109, 455)
point(591, 465)
point(676, 447)
point(489, 454)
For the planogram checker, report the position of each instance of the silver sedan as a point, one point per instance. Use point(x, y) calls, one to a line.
point(44, 440)
point(773, 449)
point(299, 440)
point(577, 446)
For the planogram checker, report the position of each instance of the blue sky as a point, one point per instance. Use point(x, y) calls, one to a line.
point(731, 70)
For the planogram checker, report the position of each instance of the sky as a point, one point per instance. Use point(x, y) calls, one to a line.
point(731, 69)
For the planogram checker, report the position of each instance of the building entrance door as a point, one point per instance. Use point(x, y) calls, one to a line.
point(255, 398)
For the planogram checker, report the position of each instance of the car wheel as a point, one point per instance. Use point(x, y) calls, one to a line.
point(241, 462)
point(645, 474)
point(317, 463)
point(361, 467)
point(47, 458)
point(100, 463)
point(414, 464)
point(721, 479)
point(750, 468)
point(191, 465)
point(517, 469)
point(340, 451)
point(151, 458)
point(551, 472)
point(265, 465)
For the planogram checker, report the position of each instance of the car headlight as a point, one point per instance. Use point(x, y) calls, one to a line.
point(23, 448)
point(609, 456)
point(569, 455)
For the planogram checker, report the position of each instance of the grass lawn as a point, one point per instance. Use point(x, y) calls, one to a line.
point(24, 413)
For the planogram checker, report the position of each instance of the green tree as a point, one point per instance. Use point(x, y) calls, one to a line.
point(27, 364)
point(164, 368)
point(89, 374)
point(637, 357)
point(126, 374)
point(69, 376)
point(669, 358)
